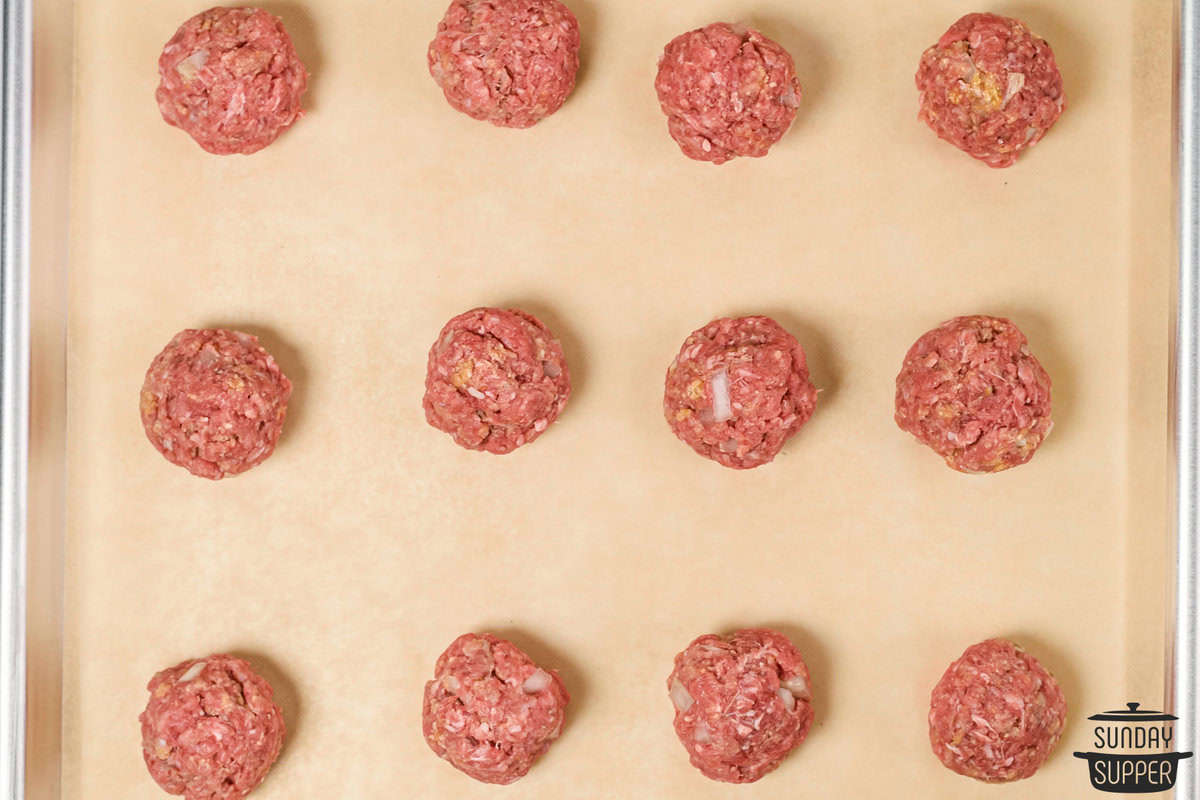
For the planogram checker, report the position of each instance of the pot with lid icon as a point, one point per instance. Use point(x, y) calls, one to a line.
point(1133, 751)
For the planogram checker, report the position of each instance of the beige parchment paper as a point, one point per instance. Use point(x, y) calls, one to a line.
point(345, 564)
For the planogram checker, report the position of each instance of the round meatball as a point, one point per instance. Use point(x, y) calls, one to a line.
point(972, 391)
point(990, 88)
point(211, 730)
point(231, 78)
point(727, 91)
point(496, 380)
point(508, 62)
point(742, 703)
point(737, 390)
point(214, 402)
point(489, 710)
point(996, 714)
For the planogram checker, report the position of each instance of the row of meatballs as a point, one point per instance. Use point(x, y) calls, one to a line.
point(214, 401)
point(231, 78)
point(743, 701)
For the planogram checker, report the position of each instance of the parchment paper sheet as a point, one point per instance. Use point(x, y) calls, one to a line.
point(346, 563)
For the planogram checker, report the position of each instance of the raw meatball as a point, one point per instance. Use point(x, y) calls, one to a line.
point(231, 78)
point(990, 88)
point(996, 714)
point(508, 62)
point(972, 391)
point(727, 91)
point(214, 402)
point(737, 390)
point(742, 703)
point(211, 730)
point(489, 710)
point(496, 380)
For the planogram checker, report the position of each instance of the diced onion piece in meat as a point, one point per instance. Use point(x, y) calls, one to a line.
point(478, 395)
point(722, 406)
point(1016, 82)
point(192, 64)
point(551, 369)
point(539, 680)
point(680, 696)
point(702, 734)
point(192, 672)
point(797, 686)
point(207, 356)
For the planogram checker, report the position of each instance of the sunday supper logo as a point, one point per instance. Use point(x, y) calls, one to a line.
point(1133, 751)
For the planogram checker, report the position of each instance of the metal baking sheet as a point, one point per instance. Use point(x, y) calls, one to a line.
point(369, 541)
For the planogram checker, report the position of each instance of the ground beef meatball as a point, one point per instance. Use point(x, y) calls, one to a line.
point(231, 78)
point(211, 730)
point(508, 62)
point(214, 402)
point(737, 390)
point(727, 91)
point(496, 380)
point(742, 703)
point(996, 714)
point(990, 88)
point(489, 710)
point(972, 391)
